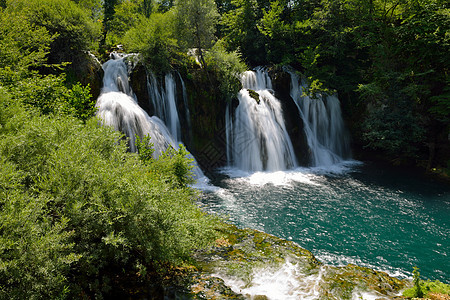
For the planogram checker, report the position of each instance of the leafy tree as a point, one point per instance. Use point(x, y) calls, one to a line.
point(154, 39)
point(164, 5)
point(24, 47)
point(73, 30)
point(93, 6)
point(126, 16)
point(241, 29)
point(196, 21)
point(228, 66)
point(277, 32)
point(108, 15)
point(79, 102)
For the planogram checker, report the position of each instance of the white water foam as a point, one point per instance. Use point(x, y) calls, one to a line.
point(310, 176)
point(203, 184)
point(343, 260)
point(277, 283)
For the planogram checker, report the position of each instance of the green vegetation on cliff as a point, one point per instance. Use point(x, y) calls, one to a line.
point(78, 213)
point(388, 60)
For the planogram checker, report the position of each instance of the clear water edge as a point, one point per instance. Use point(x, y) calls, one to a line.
point(348, 213)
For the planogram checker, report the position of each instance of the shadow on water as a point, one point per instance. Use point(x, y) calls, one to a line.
point(408, 180)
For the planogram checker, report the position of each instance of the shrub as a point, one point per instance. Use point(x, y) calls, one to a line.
point(229, 67)
point(153, 38)
point(172, 166)
point(422, 289)
point(23, 46)
point(69, 24)
point(78, 211)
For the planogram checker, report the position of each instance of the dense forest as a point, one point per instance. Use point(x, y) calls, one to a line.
point(79, 212)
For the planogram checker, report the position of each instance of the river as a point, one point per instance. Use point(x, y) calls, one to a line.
point(383, 218)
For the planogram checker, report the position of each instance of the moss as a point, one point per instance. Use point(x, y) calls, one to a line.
point(254, 95)
point(342, 281)
point(241, 253)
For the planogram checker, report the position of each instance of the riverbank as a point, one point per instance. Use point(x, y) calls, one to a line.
point(250, 264)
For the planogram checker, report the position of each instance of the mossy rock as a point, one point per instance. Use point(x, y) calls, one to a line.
point(254, 95)
point(240, 254)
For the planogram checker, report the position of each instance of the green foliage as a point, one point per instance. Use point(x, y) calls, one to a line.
point(396, 131)
point(126, 16)
point(73, 30)
point(49, 95)
point(277, 33)
point(196, 24)
point(422, 289)
point(45, 93)
point(229, 67)
point(94, 7)
point(416, 279)
point(24, 47)
point(80, 103)
point(241, 31)
point(144, 149)
point(77, 210)
point(172, 166)
point(154, 38)
point(108, 15)
point(175, 167)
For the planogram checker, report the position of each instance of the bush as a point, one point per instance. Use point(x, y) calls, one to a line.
point(229, 67)
point(174, 165)
point(78, 211)
point(422, 289)
point(72, 29)
point(153, 38)
point(23, 46)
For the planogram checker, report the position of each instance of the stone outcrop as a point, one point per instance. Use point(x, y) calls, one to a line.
point(234, 266)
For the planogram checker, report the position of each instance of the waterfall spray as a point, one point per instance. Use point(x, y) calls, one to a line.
point(118, 107)
point(257, 137)
point(325, 132)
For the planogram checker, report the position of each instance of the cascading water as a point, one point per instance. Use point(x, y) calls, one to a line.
point(324, 128)
point(164, 102)
point(118, 107)
point(186, 107)
point(256, 136)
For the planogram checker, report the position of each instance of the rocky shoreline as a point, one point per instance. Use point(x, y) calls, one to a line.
point(249, 264)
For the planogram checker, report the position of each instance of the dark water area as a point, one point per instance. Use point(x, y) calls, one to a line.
point(384, 218)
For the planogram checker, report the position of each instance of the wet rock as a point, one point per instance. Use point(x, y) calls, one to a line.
point(240, 256)
point(254, 95)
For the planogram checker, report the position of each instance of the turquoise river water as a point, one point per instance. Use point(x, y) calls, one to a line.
point(382, 218)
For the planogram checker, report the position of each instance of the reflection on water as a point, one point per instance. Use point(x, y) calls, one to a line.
point(383, 219)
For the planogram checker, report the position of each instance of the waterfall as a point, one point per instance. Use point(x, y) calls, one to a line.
point(117, 107)
point(324, 128)
point(257, 138)
point(164, 102)
point(186, 107)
